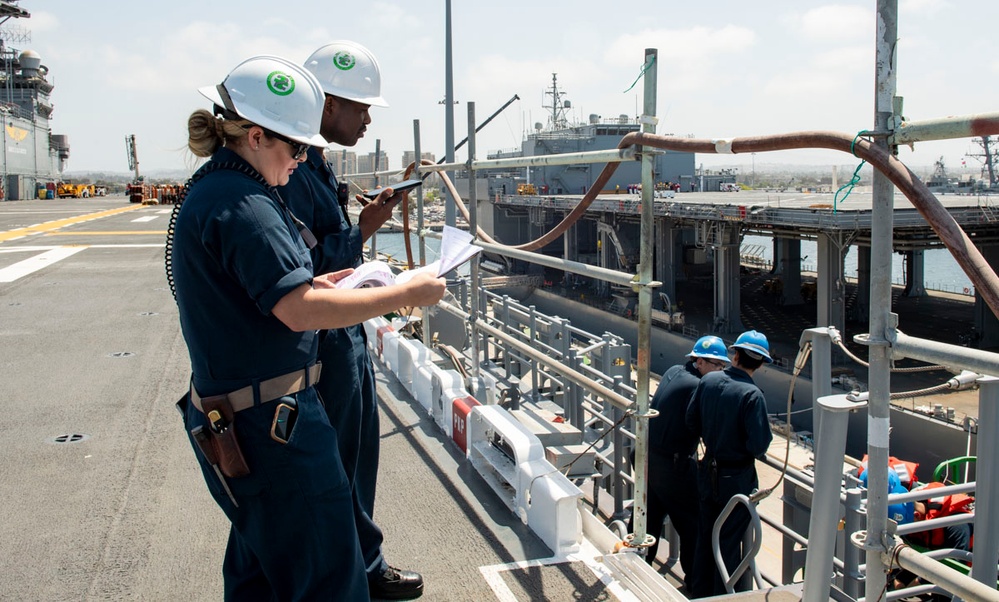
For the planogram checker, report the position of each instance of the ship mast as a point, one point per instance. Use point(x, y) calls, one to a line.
point(557, 119)
point(988, 159)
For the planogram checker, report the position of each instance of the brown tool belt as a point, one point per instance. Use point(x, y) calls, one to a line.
point(270, 389)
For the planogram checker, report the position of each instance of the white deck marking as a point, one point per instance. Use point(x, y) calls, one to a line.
point(25, 249)
point(28, 266)
point(587, 555)
point(147, 218)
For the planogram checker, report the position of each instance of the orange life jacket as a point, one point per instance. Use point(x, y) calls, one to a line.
point(906, 471)
point(944, 505)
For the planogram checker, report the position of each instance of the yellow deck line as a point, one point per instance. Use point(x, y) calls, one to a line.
point(61, 223)
point(106, 233)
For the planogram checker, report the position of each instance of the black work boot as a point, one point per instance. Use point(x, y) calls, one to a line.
point(396, 584)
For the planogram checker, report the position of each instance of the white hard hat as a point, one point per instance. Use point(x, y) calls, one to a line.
point(348, 70)
point(275, 94)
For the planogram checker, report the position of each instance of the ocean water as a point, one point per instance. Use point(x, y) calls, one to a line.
point(941, 272)
point(393, 244)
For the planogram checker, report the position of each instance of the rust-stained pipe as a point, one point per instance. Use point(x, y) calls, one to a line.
point(956, 240)
point(964, 251)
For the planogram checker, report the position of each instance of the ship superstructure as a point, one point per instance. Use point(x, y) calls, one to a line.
point(32, 157)
point(560, 135)
point(990, 163)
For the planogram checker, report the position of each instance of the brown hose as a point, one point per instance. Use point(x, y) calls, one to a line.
point(943, 223)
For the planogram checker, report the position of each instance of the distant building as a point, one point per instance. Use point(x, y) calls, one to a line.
point(343, 161)
point(366, 164)
point(410, 157)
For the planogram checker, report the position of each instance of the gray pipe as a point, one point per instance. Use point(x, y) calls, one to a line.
point(987, 502)
point(824, 519)
point(926, 350)
point(961, 585)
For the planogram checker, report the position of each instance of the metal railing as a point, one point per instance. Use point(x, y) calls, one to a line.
point(605, 401)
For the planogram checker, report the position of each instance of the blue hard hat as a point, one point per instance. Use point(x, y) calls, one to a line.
point(894, 483)
point(755, 345)
point(711, 347)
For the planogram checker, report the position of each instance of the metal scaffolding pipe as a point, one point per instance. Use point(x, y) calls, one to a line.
point(583, 269)
point(853, 577)
point(601, 156)
point(963, 126)
point(593, 386)
point(646, 240)
point(475, 303)
point(963, 586)
point(934, 352)
point(882, 214)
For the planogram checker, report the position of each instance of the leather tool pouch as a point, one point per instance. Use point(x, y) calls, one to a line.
point(222, 436)
point(204, 441)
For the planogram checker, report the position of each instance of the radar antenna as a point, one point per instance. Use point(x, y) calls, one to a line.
point(15, 34)
point(557, 119)
point(988, 159)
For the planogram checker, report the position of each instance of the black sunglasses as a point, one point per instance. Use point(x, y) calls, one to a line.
point(298, 149)
point(714, 363)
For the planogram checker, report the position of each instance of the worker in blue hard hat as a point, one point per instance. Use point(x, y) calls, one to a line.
point(900, 512)
point(755, 346)
point(672, 475)
point(729, 413)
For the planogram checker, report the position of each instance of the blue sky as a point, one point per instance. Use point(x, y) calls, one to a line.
point(727, 67)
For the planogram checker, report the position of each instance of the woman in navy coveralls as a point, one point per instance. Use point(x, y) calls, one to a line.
point(249, 308)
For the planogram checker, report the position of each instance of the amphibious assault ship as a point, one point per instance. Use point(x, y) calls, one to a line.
point(32, 157)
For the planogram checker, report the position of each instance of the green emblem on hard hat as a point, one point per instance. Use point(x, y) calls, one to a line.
point(280, 83)
point(706, 344)
point(344, 61)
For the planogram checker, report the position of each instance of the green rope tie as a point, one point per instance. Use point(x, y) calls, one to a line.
point(856, 174)
point(648, 65)
point(854, 143)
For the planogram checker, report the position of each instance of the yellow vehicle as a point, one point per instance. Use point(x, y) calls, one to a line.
point(526, 189)
point(78, 191)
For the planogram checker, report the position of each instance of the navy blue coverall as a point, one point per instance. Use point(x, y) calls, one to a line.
point(729, 412)
point(347, 383)
point(672, 468)
point(236, 253)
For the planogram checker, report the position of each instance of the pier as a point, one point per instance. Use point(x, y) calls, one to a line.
point(698, 238)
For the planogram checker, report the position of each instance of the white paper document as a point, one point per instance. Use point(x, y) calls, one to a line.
point(456, 249)
point(372, 273)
